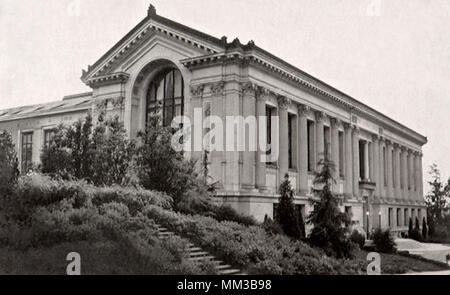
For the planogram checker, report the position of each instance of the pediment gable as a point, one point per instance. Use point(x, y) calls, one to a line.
point(153, 29)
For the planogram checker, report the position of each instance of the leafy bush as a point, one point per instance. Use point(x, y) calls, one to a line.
point(102, 156)
point(8, 164)
point(358, 238)
point(250, 246)
point(74, 212)
point(226, 213)
point(271, 227)
point(383, 240)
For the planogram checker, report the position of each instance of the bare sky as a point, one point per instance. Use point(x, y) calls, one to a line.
point(393, 55)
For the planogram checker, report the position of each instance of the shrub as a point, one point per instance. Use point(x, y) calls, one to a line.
point(226, 213)
point(383, 240)
point(74, 212)
point(8, 164)
point(271, 227)
point(358, 238)
point(102, 156)
point(250, 246)
point(287, 216)
point(161, 168)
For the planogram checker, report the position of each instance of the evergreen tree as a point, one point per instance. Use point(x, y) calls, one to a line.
point(330, 225)
point(287, 216)
point(424, 228)
point(410, 229)
point(417, 235)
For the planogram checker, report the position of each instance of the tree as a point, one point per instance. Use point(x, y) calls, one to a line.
point(410, 229)
point(8, 164)
point(417, 235)
point(330, 225)
point(424, 228)
point(113, 153)
point(287, 216)
point(160, 167)
point(436, 199)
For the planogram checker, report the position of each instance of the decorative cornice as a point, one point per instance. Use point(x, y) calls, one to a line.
point(283, 102)
point(309, 83)
point(249, 88)
point(346, 125)
point(303, 110)
point(218, 88)
point(197, 90)
point(119, 77)
point(335, 122)
point(320, 116)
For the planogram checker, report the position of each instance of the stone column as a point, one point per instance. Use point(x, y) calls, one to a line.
point(355, 155)
point(260, 165)
point(283, 158)
point(335, 152)
point(320, 147)
point(366, 161)
point(303, 150)
point(411, 191)
point(390, 182)
point(381, 161)
point(397, 178)
point(376, 160)
point(348, 161)
point(404, 167)
point(249, 156)
point(419, 172)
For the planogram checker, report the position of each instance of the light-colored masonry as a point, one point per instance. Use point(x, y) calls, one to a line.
point(378, 161)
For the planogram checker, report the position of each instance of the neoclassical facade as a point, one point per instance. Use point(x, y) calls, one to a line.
point(160, 62)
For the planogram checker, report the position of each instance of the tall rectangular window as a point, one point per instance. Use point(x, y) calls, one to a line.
point(269, 113)
point(405, 217)
point(326, 140)
point(48, 137)
point(385, 167)
point(399, 220)
point(291, 140)
point(390, 217)
point(361, 160)
point(341, 154)
point(27, 151)
point(311, 133)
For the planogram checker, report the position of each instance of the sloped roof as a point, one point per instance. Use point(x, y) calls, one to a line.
point(79, 102)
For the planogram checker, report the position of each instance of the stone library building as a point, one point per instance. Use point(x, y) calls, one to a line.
point(378, 161)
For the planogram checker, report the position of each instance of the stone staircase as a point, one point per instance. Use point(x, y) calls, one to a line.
point(197, 255)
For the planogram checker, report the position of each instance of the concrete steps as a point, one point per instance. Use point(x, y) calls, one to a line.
point(198, 255)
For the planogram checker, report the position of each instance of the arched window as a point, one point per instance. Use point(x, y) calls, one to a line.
point(166, 91)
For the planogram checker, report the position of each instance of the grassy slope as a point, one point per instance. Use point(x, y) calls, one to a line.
point(96, 259)
point(399, 263)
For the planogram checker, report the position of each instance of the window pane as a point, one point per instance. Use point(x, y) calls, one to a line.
point(160, 91)
point(178, 84)
point(169, 85)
